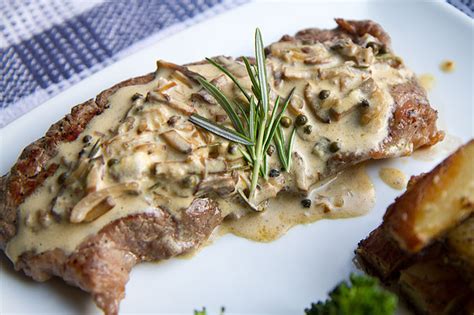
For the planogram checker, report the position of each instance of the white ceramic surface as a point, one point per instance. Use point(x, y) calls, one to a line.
point(285, 276)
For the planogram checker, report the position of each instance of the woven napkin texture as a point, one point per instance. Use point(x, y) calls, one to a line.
point(48, 45)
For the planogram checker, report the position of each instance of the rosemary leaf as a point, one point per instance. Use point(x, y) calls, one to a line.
point(246, 156)
point(252, 77)
point(276, 121)
point(224, 102)
point(290, 149)
point(252, 120)
point(242, 111)
point(221, 131)
point(262, 71)
point(231, 76)
point(279, 140)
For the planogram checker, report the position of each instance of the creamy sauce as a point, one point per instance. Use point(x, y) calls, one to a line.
point(447, 66)
point(393, 177)
point(350, 194)
point(143, 155)
point(427, 81)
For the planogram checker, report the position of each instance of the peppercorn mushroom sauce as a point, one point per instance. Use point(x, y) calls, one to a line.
point(142, 153)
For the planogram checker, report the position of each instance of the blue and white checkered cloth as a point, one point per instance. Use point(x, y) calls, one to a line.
point(48, 45)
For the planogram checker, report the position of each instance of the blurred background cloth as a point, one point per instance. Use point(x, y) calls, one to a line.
point(48, 45)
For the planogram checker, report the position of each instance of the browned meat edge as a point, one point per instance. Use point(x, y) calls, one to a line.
point(101, 264)
point(413, 121)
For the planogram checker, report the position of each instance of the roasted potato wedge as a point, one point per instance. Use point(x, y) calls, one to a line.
point(434, 287)
point(438, 201)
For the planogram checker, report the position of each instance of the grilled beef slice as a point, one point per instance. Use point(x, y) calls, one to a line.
point(100, 265)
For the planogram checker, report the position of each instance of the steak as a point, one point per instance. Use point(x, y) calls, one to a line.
point(100, 264)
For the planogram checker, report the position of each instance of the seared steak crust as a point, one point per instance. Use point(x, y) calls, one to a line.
point(32, 167)
point(413, 124)
point(101, 264)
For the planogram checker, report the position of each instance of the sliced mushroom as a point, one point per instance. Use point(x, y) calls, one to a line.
point(236, 68)
point(184, 70)
point(223, 185)
point(158, 97)
point(220, 81)
point(101, 208)
point(346, 105)
point(178, 75)
point(177, 142)
point(291, 73)
point(95, 177)
point(179, 169)
point(78, 172)
point(368, 87)
point(238, 163)
point(320, 108)
point(203, 96)
point(363, 57)
point(215, 166)
point(126, 125)
point(90, 201)
point(296, 105)
point(182, 107)
point(392, 60)
point(299, 167)
point(269, 189)
point(171, 102)
point(149, 147)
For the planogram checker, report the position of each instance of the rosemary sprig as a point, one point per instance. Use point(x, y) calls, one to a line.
point(255, 126)
point(222, 131)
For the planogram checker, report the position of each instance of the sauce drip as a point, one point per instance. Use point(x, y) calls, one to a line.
point(447, 66)
point(393, 177)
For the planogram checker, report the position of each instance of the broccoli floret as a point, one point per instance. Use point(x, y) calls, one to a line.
point(202, 312)
point(363, 296)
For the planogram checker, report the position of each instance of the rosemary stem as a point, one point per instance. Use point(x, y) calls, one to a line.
point(258, 159)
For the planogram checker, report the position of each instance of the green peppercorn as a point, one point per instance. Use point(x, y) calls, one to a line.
point(307, 129)
point(306, 203)
point(62, 178)
point(87, 139)
point(285, 121)
point(301, 120)
point(138, 109)
point(271, 149)
point(274, 172)
point(334, 146)
point(190, 181)
point(324, 94)
point(364, 103)
point(112, 162)
point(232, 148)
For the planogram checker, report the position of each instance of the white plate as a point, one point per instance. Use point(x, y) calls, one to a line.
point(285, 276)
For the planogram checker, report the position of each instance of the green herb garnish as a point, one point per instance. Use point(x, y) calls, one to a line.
point(363, 296)
point(255, 126)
